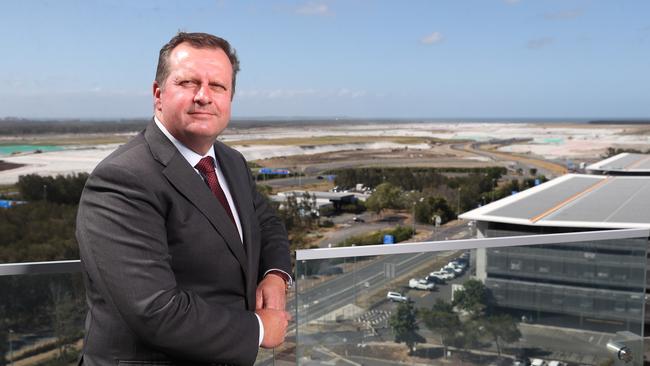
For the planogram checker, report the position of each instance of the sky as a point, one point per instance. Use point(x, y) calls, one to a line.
point(338, 58)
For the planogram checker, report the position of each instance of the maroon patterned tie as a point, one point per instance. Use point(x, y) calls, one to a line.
point(206, 167)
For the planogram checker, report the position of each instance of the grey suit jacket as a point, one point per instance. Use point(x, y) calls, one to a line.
point(167, 277)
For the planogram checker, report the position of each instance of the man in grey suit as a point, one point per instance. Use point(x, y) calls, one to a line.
point(184, 261)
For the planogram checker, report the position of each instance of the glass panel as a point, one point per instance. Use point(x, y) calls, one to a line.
point(41, 318)
point(551, 304)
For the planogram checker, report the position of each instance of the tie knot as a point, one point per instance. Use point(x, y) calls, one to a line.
point(205, 165)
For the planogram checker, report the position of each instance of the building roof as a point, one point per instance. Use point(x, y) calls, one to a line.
point(623, 163)
point(575, 200)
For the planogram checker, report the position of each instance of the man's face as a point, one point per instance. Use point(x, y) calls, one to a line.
point(194, 101)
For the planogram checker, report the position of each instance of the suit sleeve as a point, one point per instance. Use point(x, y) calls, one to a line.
point(122, 237)
point(274, 253)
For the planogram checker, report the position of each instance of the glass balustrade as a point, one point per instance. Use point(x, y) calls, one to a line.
point(41, 318)
point(559, 299)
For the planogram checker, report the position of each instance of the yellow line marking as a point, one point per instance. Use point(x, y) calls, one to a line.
point(570, 199)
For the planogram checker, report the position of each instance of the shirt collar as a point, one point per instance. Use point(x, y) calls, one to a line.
point(189, 155)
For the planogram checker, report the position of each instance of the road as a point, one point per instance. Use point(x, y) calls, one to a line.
point(548, 168)
point(366, 277)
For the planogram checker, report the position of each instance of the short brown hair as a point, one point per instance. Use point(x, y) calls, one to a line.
point(197, 40)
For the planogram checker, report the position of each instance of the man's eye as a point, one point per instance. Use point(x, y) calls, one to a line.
point(186, 83)
point(218, 87)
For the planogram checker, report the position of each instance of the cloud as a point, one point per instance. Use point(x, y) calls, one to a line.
point(433, 38)
point(564, 15)
point(300, 93)
point(314, 8)
point(511, 2)
point(344, 92)
point(275, 93)
point(538, 43)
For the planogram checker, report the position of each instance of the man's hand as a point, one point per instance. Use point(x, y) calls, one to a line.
point(270, 293)
point(275, 326)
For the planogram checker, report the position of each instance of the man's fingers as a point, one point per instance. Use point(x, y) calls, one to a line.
point(275, 326)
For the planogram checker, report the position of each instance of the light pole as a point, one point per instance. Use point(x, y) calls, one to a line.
point(415, 203)
point(458, 206)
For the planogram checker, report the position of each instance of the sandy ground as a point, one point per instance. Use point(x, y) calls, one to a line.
point(547, 141)
point(76, 160)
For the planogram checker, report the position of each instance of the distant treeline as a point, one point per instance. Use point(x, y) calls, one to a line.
point(441, 190)
point(414, 178)
point(611, 151)
point(620, 122)
point(12, 127)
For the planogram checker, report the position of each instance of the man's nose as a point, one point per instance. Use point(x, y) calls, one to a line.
point(202, 95)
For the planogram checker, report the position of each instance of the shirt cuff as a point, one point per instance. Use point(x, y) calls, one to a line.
point(259, 320)
point(287, 277)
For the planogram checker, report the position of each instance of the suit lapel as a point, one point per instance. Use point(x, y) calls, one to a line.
point(238, 186)
point(183, 177)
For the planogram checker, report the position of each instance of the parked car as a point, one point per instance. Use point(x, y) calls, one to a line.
point(444, 275)
point(457, 270)
point(460, 263)
point(396, 297)
point(421, 284)
point(557, 363)
point(521, 362)
point(358, 219)
point(435, 279)
point(538, 362)
point(450, 271)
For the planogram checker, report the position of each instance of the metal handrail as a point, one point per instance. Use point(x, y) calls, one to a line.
point(49, 267)
point(74, 266)
point(436, 246)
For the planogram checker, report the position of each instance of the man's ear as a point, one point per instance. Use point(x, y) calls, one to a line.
point(157, 90)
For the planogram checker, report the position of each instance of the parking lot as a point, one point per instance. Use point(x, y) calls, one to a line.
point(426, 299)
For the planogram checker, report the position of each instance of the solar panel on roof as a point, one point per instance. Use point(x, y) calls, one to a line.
point(546, 199)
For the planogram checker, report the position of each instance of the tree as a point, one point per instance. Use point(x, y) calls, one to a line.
point(386, 195)
point(60, 189)
point(438, 206)
point(443, 320)
point(474, 298)
point(404, 325)
point(501, 327)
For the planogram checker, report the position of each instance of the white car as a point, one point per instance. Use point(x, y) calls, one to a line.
point(450, 270)
point(396, 296)
point(457, 270)
point(462, 264)
point(444, 275)
point(421, 284)
point(557, 363)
